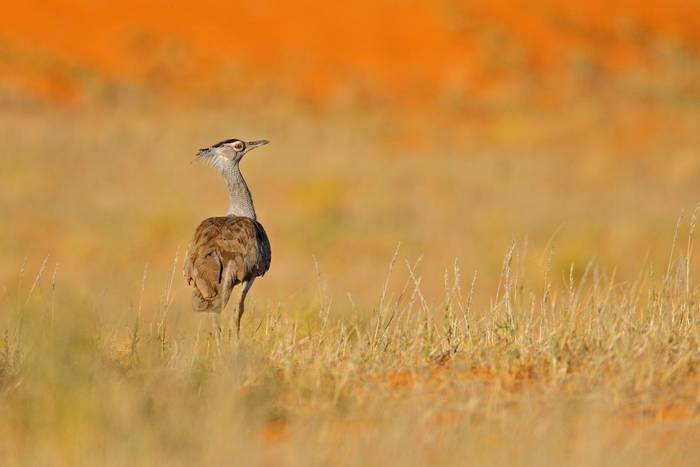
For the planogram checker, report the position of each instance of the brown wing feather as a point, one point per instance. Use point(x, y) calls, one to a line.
point(231, 247)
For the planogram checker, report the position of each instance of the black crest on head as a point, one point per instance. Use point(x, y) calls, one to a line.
point(226, 141)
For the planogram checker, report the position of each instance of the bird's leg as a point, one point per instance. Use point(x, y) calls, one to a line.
point(226, 286)
point(241, 306)
point(217, 330)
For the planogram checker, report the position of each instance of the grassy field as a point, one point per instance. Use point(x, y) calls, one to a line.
point(510, 289)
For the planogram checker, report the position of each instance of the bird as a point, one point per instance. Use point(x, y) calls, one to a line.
point(228, 250)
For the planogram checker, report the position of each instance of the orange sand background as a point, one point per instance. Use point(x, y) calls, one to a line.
point(383, 51)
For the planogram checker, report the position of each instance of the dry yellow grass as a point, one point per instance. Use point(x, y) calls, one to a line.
point(544, 325)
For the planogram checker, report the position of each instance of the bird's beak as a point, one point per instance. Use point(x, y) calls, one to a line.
point(255, 144)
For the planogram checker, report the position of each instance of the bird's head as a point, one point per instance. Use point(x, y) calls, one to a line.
point(229, 151)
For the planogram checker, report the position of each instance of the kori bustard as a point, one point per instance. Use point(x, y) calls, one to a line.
point(232, 249)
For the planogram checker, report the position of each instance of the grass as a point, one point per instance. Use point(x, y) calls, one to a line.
point(562, 330)
point(601, 372)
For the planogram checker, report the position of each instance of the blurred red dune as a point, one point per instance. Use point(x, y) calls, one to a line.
point(402, 51)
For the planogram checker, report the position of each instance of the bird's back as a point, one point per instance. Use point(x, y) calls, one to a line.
point(230, 247)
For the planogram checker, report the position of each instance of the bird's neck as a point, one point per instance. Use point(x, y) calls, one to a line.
point(240, 200)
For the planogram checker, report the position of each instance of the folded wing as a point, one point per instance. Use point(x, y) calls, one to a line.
point(225, 251)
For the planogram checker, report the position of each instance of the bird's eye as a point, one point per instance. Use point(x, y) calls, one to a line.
point(238, 146)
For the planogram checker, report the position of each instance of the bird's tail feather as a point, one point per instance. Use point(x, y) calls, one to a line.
point(210, 305)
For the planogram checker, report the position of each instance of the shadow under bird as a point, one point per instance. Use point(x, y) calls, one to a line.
point(232, 249)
